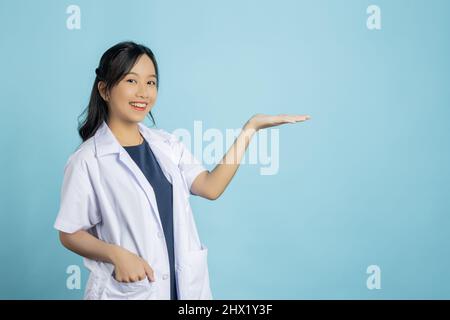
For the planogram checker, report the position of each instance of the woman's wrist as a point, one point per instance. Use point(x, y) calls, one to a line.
point(250, 127)
point(113, 253)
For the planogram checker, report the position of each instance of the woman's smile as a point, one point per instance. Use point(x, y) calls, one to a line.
point(140, 106)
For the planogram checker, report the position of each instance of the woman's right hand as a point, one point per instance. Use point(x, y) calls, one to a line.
point(129, 267)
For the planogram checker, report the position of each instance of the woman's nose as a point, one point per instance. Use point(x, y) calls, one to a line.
point(142, 92)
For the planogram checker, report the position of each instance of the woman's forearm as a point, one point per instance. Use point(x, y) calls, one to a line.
point(88, 246)
point(212, 184)
point(219, 178)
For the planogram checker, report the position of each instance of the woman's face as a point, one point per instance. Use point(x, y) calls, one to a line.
point(132, 98)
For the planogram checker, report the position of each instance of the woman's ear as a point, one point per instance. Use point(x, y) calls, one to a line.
point(101, 86)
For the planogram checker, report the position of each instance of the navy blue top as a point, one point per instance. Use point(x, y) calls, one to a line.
point(145, 159)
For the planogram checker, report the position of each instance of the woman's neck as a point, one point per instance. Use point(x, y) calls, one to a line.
point(127, 134)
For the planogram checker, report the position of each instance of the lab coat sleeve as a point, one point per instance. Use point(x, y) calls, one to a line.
point(78, 203)
point(189, 165)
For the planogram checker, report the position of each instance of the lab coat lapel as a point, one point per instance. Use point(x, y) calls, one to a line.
point(106, 143)
point(161, 149)
point(172, 173)
point(125, 158)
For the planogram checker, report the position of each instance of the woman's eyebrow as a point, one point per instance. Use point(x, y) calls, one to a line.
point(150, 75)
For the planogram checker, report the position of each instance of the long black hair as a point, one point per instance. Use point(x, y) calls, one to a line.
point(114, 64)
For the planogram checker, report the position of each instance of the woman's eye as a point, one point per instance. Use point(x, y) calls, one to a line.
point(150, 82)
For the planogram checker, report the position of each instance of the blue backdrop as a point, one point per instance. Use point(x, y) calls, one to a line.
point(364, 183)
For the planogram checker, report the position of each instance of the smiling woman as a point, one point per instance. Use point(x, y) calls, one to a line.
point(125, 195)
point(134, 85)
point(127, 74)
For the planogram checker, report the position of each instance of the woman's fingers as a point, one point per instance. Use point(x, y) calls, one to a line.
point(286, 118)
point(299, 117)
point(262, 121)
point(149, 272)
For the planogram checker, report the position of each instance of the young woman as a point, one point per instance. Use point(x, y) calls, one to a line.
point(125, 194)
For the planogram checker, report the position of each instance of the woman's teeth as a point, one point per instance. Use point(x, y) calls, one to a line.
point(139, 105)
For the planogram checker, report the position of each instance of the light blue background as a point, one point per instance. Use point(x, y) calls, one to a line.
point(366, 181)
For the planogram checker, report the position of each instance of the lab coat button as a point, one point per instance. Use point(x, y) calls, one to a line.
point(160, 235)
point(165, 276)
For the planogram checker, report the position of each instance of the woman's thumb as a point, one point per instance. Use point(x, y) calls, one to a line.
point(149, 272)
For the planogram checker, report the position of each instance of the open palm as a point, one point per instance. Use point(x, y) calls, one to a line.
point(261, 121)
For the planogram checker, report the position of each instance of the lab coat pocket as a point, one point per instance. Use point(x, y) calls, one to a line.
point(194, 277)
point(139, 290)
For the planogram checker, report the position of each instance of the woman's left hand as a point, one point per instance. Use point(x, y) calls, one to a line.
point(261, 121)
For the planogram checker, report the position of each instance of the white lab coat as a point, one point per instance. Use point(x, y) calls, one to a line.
point(106, 193)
